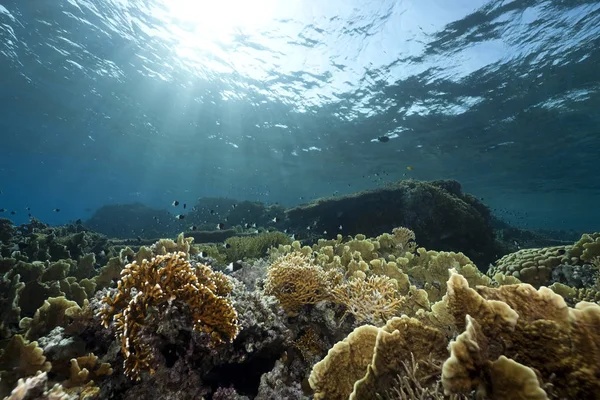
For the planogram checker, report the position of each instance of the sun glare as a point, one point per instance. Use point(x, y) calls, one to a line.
point(220, 19)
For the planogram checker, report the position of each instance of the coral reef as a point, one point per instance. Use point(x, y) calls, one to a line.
point(350, 317)
point(153, 286)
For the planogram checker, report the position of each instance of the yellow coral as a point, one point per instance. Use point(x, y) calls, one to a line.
point(295, 281)
point(468, 369)
point(536, 327)
point(153, 285)
point(373, 300)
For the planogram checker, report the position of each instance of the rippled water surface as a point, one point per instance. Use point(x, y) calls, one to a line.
point(118, 101)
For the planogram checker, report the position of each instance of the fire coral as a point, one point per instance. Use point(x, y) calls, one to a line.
point(154, 285)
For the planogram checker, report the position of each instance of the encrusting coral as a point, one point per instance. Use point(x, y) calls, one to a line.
point(153, 285)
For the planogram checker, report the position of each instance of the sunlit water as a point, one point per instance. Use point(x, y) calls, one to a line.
point(112, 101)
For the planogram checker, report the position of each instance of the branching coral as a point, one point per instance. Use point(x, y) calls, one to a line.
point(373, 300)
point(155, 284)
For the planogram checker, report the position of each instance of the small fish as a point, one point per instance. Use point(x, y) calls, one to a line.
point(253, 225)
point(293, 236)
point(102, 253)
point(233, 205)
point(212, 212)
point(246, 225)
point(139, 238)
point(275, 220)
point(13, 212)
point(56, 210)
point(561, 252)
point(226, 245)
point(383, 139)
point(193, 227)
point(78, 222)
point(308, 228)
point(286, 230)
point(203, 254)
point(3, 210)
point(179, 216)
point(409, 168)
point(233, 266)
point(184, 206)
point(220, 226)
point(175, 203)
point(340, 227)
point(324, 232)
point(28, 209)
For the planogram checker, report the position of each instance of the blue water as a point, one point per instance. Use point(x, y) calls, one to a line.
point(115, 101)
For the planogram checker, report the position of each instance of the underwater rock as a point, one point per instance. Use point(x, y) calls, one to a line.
point(440, 214)
point(131, 220)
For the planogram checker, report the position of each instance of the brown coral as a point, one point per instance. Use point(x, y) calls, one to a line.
point(20, 359)
point(295, 281)
point(469, 368)
point(537, 328)
point(373, 300)
point(154, 285)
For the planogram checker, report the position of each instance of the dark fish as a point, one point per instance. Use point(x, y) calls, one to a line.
point(28, 208)
point(383, 139)
point(561, 252)
point(246, 225)
point(175, 203)
point(78, 222)
point(233, 266)
point(3, 210)
point(226, 245)
point(13, 212)
point(220, 226)
point(203, 254)
point(212, 212)
point(275, 220)
point(193, 227)
point(179, 216)
point(184, 206)
point(56, 210)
